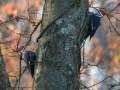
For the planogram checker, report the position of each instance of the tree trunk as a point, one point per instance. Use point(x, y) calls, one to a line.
point(4, 80)
point(58, 56)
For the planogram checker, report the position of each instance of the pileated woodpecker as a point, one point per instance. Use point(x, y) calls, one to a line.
point(29, 57)
point(94, 23)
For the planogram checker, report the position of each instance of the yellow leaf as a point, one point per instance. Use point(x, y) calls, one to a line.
point(96, 82)
point(11, 27)
point(116, 59)
point(37, 5)
point(97, 58)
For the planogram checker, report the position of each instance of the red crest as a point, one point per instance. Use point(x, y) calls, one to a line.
point(103, 12)
point(20, 48)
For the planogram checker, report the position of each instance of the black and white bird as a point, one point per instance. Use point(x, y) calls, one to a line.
point(94, 23)
point(29, 57)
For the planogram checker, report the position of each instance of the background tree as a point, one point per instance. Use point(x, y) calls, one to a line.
point(4, 80)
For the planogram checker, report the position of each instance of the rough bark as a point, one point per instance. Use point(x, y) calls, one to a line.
point(58, 61)
point(4, 80)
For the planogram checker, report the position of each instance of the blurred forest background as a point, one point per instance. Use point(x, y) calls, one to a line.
point(102, 54)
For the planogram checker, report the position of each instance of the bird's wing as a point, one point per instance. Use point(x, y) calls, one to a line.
point(88, 28)
point(95, 24)
point(26, 57)
point(32, 58)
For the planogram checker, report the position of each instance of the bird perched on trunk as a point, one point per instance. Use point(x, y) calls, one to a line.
point(94, 23)
point(29, 57)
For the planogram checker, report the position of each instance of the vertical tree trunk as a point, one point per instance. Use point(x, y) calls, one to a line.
point(58, 58)
point(4, 80)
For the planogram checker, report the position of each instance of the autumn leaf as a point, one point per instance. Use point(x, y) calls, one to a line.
point(96, 82)
point(113, 45)
point(82, 68)
point(96, 40)
point(37, 5)
point(97, 58)
point(98, 49)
